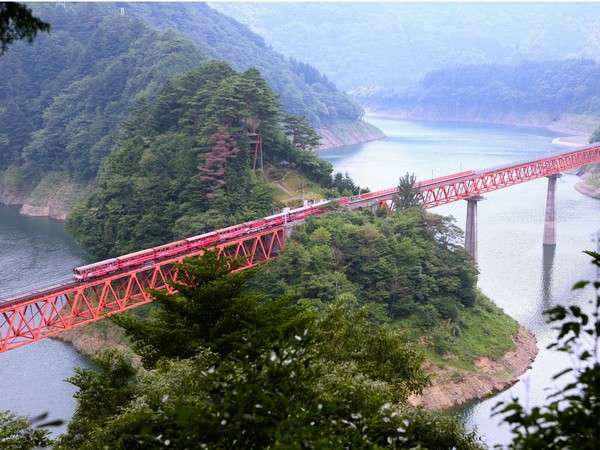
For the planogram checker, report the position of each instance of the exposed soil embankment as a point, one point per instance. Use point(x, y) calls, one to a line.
point(90, 339)
point(454, 387)
point(53, 196)
point(348, 133)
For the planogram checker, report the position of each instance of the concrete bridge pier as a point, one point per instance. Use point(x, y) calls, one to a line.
point(550, 222)
point(471, 227)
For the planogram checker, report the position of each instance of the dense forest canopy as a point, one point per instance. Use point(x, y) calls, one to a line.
point(410, 264)
point(228, 367)
point(550, 87)
point(63, 97)
point(183, 164)
point(394, 44)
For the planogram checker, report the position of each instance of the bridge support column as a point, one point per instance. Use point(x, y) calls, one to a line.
point(550, 222)
point(471, 227)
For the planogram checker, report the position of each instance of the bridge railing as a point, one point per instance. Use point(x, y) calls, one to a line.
point(51, 311)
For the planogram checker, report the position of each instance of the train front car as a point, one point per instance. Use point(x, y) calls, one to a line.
point(95, 270)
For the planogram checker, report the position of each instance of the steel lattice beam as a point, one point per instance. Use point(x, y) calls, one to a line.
point(29, 318)
point(77, 304)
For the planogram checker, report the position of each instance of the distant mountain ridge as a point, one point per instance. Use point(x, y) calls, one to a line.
point(535, 93)
point(394, 44)
point(301, 88)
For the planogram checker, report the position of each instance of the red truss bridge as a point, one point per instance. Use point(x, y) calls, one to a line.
point(115, 285)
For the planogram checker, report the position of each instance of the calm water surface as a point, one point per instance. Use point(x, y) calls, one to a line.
point(35, 252)
point(516, 273)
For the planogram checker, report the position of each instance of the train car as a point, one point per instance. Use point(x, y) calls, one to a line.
point(136, 258)
point(202, 240)
point(446, 179)
point(372, 195)
point(343, 201)
point(96, 269)
point(232, 232)
point(171, 249)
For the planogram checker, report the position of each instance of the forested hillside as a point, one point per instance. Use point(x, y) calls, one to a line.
point(302, 89)
point(183, 164)
point(410, 264)
point(547, 89)
point(394, 44)
point(62, 97)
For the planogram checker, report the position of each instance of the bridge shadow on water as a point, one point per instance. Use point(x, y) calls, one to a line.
point(547, 277)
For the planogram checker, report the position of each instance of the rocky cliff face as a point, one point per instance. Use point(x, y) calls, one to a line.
point(348, 133)
point(452, 388)
point(54, 196)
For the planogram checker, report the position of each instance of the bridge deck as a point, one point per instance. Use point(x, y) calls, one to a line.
point(29, 317)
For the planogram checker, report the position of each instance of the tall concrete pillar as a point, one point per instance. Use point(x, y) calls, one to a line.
point(471, 227)
point(550, 222)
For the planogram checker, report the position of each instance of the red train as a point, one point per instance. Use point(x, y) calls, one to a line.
point(207, 240)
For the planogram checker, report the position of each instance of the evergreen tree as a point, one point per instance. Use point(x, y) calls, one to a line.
point(408, 194)
point(229, 368)
point(301, 134)
point(212, 170)
point(182, 163)
point(17, 22)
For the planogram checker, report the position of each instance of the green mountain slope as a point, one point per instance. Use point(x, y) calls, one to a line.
point(552, 88)
point(62, 98)
point(301, 88)
point(393, 45)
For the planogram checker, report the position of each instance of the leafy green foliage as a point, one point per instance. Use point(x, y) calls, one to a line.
point(231, 368)
point(410, 263)
point(407, 196)
point(17, 22)
point(17, 433)
point(63, 97)
point(571, 418)
point(300, 133)
point(183, 164)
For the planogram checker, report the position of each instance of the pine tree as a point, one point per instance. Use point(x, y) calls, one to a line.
point(302, 135)
point(212, 170)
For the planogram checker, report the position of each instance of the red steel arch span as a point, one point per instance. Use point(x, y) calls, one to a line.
point(118, 284)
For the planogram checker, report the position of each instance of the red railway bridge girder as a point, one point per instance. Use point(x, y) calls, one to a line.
point(48, 312)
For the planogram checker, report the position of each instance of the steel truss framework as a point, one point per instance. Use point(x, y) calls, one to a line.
point(50, 313)
point(432, 194)
point(25, 320)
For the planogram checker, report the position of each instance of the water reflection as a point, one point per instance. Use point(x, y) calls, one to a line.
point(547, 268)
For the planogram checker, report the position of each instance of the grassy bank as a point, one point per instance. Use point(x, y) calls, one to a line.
point(483, 330)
